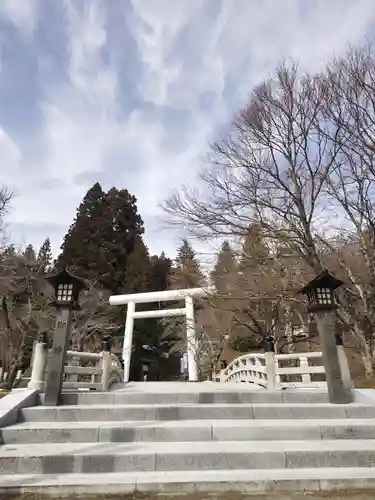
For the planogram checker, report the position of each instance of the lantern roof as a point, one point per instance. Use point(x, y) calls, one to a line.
point(323, 280)
point(63, 276)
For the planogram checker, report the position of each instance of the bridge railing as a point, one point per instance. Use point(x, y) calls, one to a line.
point(299, 370)
point(84, 370)
point(248, 368)
point(277, 371)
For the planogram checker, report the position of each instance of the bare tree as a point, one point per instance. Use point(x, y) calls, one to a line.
point(214, 328)
point(260, 297)
point(211, 334)
point(350, 112)
point(265, 171)
point(6, 196)
point(25, 309)
point(288, 164)
point(92, 321)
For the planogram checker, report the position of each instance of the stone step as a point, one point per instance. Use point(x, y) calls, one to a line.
point(199, 397)
point(188, 430)
point(83, 413)
point(98, 458)
point(260, 481)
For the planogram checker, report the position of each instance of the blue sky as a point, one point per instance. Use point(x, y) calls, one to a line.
point(129, 93)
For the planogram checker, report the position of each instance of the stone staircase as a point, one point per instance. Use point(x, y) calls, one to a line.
point(189, 437)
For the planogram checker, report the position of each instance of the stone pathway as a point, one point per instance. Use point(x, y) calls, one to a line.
point(187, 387)
point(198, 441)
point(338, 495)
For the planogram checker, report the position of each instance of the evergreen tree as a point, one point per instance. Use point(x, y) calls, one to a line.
point(254, 248)
point(82, 251)
point(224, 268)
point(9, 251)
point(137, 268)
point(145, 274)
point(122, 238)
point(105, 243)
point(185, 253)
point(186, 272)
point(29, 254)
point(104, 234)
point(160, 269)
point(151, 331)
point(44, 258)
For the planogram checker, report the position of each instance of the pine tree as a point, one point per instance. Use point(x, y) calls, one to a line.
point(82, 251)
point(143, 275)
point(224, 268)
point(160, 269)
point(44, 258)
point(104, 234)
point(254, 248)
point(185, 252)
point(29, 254)
point(105, 243)
point(137, 268)
point(186, 272)
point(9, 251)
point(121, 238)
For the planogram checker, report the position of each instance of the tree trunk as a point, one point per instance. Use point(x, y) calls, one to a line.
point(13, 371)
point(367, 358)
point(289, 331)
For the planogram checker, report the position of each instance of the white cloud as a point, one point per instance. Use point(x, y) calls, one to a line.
point(78, 124)
point(242, 42)
point(10, 154)
point(155, 26)
point(79, 114)
point(190, 65)
point(21, 13)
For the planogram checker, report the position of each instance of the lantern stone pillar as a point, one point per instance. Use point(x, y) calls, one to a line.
point(344, 365)
point(337, 392)
point(56, 359)
point(67, 288)
point(320, 294)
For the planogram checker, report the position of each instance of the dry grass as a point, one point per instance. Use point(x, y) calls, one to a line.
point(364, 383)
point(357, 370)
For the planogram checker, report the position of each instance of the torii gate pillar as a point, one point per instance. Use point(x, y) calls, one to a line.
point(128, 339)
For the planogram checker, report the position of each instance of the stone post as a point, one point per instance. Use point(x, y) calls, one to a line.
point(269, 354)
point(37, 381)
point(106, 363)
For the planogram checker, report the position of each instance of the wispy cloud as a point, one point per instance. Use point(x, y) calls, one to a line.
point(23, 15)
point(130, 92)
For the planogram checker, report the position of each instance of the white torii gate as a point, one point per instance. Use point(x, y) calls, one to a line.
point(187, 294)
